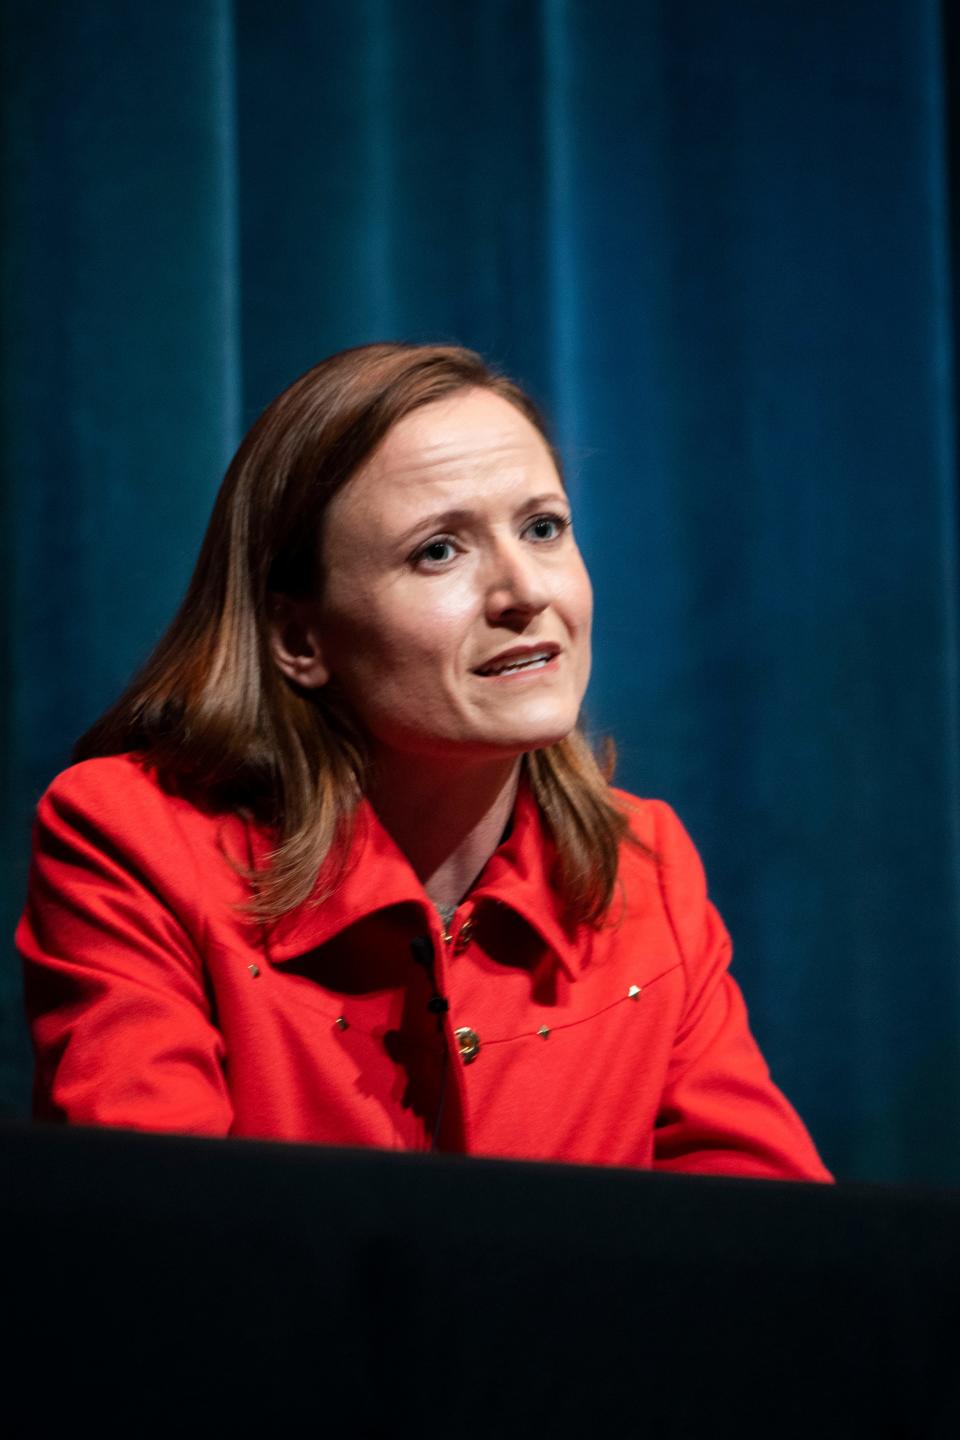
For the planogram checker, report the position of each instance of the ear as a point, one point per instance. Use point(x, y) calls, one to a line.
point(295, 641)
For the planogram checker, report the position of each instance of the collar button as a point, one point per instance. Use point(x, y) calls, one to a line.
point(468, 1043)
point(464, 936)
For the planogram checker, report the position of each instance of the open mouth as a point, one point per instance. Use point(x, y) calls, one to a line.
point(512, 665)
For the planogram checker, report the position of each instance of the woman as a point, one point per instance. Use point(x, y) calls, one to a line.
point(338, 866)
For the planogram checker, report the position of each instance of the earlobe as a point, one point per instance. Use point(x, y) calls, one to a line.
point(295, 641)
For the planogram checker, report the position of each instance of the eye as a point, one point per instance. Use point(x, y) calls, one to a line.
point(438, 551)
point(544, 528)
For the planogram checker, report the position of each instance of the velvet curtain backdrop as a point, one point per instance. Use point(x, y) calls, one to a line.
point(715, 240)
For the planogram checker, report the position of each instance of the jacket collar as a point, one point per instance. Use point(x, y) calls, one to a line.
point(522, 874)
point(519, 875)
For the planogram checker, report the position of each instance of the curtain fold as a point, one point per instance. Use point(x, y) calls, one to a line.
point(121, 364)
point(717, 242)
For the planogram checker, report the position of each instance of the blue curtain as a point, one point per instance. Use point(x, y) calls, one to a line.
point(716, 241)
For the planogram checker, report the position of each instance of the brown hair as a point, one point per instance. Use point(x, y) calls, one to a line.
point(210, 710)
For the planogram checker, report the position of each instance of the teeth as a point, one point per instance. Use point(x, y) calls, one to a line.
point(532, 663)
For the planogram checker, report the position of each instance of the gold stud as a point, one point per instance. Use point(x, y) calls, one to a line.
point(544, 1031)
point(463, 937)
point(341, 1023)
point(254, 970)
point(468, 1043)
point(634, 992)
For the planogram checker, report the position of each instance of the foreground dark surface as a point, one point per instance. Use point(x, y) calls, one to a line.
point(154, 1283)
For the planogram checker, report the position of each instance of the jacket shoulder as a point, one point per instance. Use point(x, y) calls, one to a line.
point(111, 783)
point(659, 830)
point(98, 778)
point(110, 819)
point(118, 796)
point(666, 860)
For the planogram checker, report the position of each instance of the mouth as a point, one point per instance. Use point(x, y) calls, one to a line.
point(513, 662)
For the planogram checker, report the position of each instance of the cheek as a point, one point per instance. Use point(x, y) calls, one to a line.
point(576, 606)
point(575, 599)
point(390, 633)
point(586, 601)
point(437, 621)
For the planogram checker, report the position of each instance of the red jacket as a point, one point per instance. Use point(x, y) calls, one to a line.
point(155, 1003)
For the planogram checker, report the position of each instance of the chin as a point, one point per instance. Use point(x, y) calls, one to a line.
point(541, 730)
point(497, 738)
point(539, 738)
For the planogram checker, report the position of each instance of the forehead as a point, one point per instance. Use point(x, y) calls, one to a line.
point(469, 448)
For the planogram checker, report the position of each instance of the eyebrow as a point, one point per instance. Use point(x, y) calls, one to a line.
point(444, 519)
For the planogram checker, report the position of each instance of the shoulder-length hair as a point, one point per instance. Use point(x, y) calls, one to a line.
point(211, 712)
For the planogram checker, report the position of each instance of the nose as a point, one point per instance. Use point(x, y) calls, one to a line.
point(517, 586)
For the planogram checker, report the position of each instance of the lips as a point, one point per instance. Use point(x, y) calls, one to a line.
point(520, 657)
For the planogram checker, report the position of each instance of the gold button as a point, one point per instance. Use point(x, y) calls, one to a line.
point(468, 1043)
point(544, 1031)
point(463, 936)
point(254, 970)
point(342, 1023)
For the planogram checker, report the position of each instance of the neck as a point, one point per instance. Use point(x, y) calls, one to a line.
point(447, 818)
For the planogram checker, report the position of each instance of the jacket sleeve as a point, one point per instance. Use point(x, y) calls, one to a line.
point(720, 1112)
point(115, 987)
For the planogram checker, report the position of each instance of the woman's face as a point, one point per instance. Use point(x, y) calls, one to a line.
point(456, 610)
